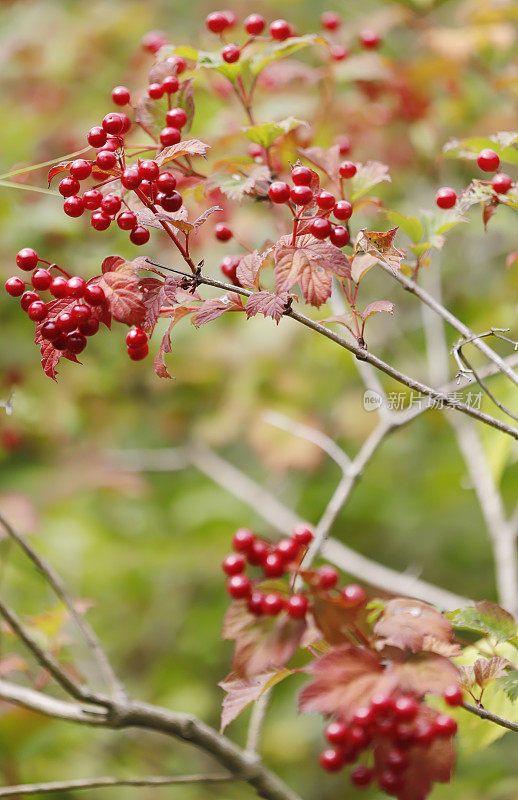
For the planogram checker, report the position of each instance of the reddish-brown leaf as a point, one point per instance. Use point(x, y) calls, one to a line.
point(115, 264)
point(165, 345)
point(270, 305)
point(405, 623)
point(204, 217)
point(311, 263)
point(240, 692)
point(189, 147)
point(381, 245)
point(178, 219)
point(333, 619)
point(327, 160)
point(57, 169)
point(124, 297)
point(486, 670)
point(156, 295)
point(376, 307)
point(249, 268)
point(215, 307)
point(421, 673)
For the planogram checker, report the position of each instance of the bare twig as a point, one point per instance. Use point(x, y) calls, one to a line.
point(255, 725)
point(313, 435)
point(100, 783)
point(484, 714)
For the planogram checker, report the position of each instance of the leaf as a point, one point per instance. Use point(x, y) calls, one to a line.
point(198, 222)
point(339, 319)
point(241, 692)
point(360, 264)
point(249, 268)
point(422, 673)
point(327, 160)
point(345, 678)
point(486, 618)
point(157, 294)
point(165, 347)
point(114, 264)
point(216, 306)
point(124, 297)
point(405, 623)
point(367, 176)
point(189, 147)
point(486, 670)
point(412, 226)
point(185, 99)
point(376, 307)
point(502, 143)
point(509, 685)
point(267, 304)
point(381, 245)
point(50, 357)
point(332, 618)
point(282, 50)
point(178, 219)
point(57, 169)
point(311, 263)
point(252, 180)
point(267, 132)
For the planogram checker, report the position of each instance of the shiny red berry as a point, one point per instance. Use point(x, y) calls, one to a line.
point(255, 603)
point(170, 202)
point(28, 298)
point(176, 118)
point(369, 39)
point(58, 287)
point(130, 178)
point(81, 313)
point(37, 311)
point(397, 759)
point(92, 199)
point(501, 182)
point(320, 228)
point(361, 777)
point(111, 204)
point(288, 549)
point(389, 781)
point(222, 232)
point(453, 695)
point(258, 552)
point(301, 195)
point(166, 183)
point(148, 169)
point(255, 24)
point(170, 84)
point(170, 136)
point(339, 236)
point(446, 197)
point(332, 759)
point(233, 564)
point(136, 337)
point(280, 29)
point(81, 169)
point(242, 540)
point(488, 160)
point(139, 235)
point(66, 322)
point(363, 716)
point(444, 726)
point(26, 259)
point(353, 595)
point(325, 200)
point(68, 186)
point(112, 123)
point(14, 286)
point(302, 176)
point(155, 91)
point(76, 286)
point(41, 279)
point(97, 136)
point(121, 96)
point(330, 21)
point(94, 294)
point(100, 221)
point(216, 21)
point(76, 342)
point(73, 206)
point(343, 210)
point(239, 587)
point(272, 604)
point(273, 566)
point(127, 220)
point(327, 577)
point(302, 534)
point(279, 192)
point(231, 53)
point(381, 704)
point(50, 330)
point(106, 159)
point(89, 327)
point(406, 707)
point(347, 169)
point(337, 732)
point(138, 353)
point(297, 606)
point(339, 52)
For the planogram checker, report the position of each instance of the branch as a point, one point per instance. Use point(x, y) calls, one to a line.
point(483, 714)
point(310, 434)
point(97, 783)
point(256, 722)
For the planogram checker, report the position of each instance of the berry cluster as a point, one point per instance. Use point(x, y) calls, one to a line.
point(368, 39)
point(302, 196)
point(488, 161)
point(389, 726)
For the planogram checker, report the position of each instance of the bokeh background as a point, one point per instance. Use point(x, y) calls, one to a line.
point(144, 548)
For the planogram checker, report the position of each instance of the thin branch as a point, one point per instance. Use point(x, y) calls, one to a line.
point(310, 434)
point(98, 783)
point(484, 714)
point(255, 725)
point(58, 586)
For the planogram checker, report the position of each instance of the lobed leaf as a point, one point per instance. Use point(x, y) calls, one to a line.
point(488, 619)
point(267, 304)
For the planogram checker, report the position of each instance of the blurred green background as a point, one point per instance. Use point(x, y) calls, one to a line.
point(145, 548)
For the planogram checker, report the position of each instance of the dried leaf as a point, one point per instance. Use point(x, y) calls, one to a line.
point(310, 263)
point(241, 692)
point(424, 672)
point(204, 217)
point(381, 245)
point(165, 347)
point(360, 264)
point(270, 305)
point(156, 295)
point(486, 670)
point(326, 160)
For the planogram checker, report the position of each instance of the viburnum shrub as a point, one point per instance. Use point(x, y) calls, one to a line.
point(386, 672)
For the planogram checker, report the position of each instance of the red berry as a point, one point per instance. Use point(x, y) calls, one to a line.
point(80, 313)
point(26, 259)
point(139, 235)
point(155, 91)
point(339, 52)
point(381, 704)
point(229, 267)
point(301, 195)
point(361, 777)
point(404, 734)
point(76, 342)
point(94, 294)
point(73, 206)
point(386, 726)
point(50, 330)
point(255, 24)
point(66, 322)
point(272, 604)
point(258, 552)
point(230, 17)
point(353, 595)
point(288, 549)
point(100, 221)
point(216, 21)
point(106, 159)
point(112, 123)
point(231, 53)
point(170, 84)
point(14, 286)
point(363, 717)
point(148, 169)
point(325, 200)
point(320, 228)
point(37, 311)
point(28, 298)
point(273, 566)
point(344, 144)
point(97, 136)
point(347, 169)
point(343, 210)
point(58, 287)
point(339, 236)
point(41, 279)
point(359, 737)
point(176, 118)
point(279, 192)
point(60, 342)
point(446, 197)
point(332, 759)
point(302, 534)
point(297, 606)
point(234, 563)
point(423, 733)
point(111, 204)
point(406, 707)
point(501, 182)
point(453, 695)
point(389, 781)
point(111, 144)
point(397, 759)
point(444, 726)
point(130, 178)
point(255, 603)
point(327, 577)
point(68, 186)
point(121, 96)
point(154, 40)
point(337, 732)
point(170, 136)
point(92, 199)
point(149, 189)
point(136, 338)
point(90, 327)
point(280, 29)
point(138, 353)
point(179, 63)
point(222, 232)
point(170, 202)
point(243, 540)
point(369, 39)
point(488, 160)
point(76, 286)
point(127, 220)
point(302, 176)
point(81, 169)
point(166, 182)
point(330, 20)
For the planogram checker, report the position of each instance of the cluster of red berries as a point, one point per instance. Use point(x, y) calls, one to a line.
point(276, 561)
point(488, 161)
point(301, 195)
point(389, 724)
point(367, 38)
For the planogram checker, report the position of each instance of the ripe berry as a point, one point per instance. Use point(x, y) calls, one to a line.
point(359, 737)
point(81, 313)
point(353, 595)
point(81, 169)
point(381, 704)
point(320, 228)
point(58, 287)
point(288, 549)
point(332, 760)
point(255, 24)
point(112, 143)
point(301, 195)
point(94, 294)
point(89, 327)
point(406, 707)
point(66, 322)
point(363, 717)
point(233, 564)
point(339, 52)
point(424, 733)
point(149, 189)
point(37, 311)
point(138, 353)
point(230, 17)
point(343, 210)
point(330, 21)
point(26, 259)
point(100, 221)
point(297, 606)
point(60, 342)
point(302, 534)
point(120, 96)
point(216, 22)
point(176, 118)
point(361, 777)
point(339, 236)
point(327, 577)
point(337, 732)
point(272, 604)
point(166, 182)
point(130, 178)
point(136, 338)
point(488, 160)
point(258, 552)
point(148, 169)
point(279, 192)
point(302, 176)
point(170, 202)
point(501, 182)
point(231, 53)
point(369, 39)
point(28, 298)
point(41, 279)
point(111, 204)
point(139, 235)
point(444, 726)
point(96, 136)
point(170, 84)
point(273, 566)
point(68, 186)
point(50, 330)
point(347, 169)
point(155, 91)
point(106, 159)
point(344, 145)
point(280, 29)
point(397, 759)
point(222, 232)
point(92, 199)
point(76, 286)
point(14, 286)
point(127, 220)
point(113, 123)
point(446, 197)
point(255, 603)
point(325, 200)
point(154, 40)
point(76, 342)
point(389, 781)
point(73, 206)
point(243, 540)
point(453, 695)
point(170, 136)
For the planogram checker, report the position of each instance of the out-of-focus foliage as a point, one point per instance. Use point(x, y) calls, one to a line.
point(145, 549)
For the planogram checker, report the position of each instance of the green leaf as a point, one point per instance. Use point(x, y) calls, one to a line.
point(281, 50)
point(509, 684)
point(367, 176)
point(410, 225)
point(266, 133)
point(486, 618)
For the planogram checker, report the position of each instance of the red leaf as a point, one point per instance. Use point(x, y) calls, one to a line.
point(189, 147)
point(249, 268)
point(406, 623)
point(486, 670)
point(165, 345)
point(57, 169)
point(311, 263)
point(204, 217)
point(124, 297)
point(424, 672)
point(376, 307)
point(156, 295)
point(113, 264)
point(178, 219)
point(270, 305)
point(381, 245)
point(243, 691)
point(215, 307)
